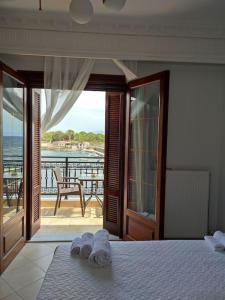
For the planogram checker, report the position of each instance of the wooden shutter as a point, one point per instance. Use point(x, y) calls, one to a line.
point(114, 162)
point(36, 163)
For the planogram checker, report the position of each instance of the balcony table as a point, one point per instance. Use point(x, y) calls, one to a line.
point(94, 184)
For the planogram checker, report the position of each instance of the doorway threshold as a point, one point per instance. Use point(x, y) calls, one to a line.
point(65, 233)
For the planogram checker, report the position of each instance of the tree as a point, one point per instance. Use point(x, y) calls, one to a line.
point(47, 137)
point(58, 136)
point(82, 136)
point(71, 134)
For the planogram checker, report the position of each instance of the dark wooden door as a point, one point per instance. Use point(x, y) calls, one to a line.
point(13, 174)
point(35, 167)
point(114, 162)
point(146, 134)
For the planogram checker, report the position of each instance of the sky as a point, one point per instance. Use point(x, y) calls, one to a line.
point(87, 114)
point(11, 125)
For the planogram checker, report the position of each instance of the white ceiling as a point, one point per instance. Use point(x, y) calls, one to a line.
point(202, 9)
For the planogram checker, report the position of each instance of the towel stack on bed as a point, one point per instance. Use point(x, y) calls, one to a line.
point(95, 248)
point(217, 241)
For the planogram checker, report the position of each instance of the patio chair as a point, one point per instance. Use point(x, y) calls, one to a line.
point(13, 191)
point(64, 189)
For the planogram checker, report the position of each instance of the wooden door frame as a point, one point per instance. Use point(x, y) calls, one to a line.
point(11, 254)
point(35, 79)
point(163, 77)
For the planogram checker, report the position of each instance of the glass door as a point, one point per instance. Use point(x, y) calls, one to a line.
point(146, 151)
point(12, 117)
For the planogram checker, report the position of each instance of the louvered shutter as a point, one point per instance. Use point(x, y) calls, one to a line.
point(36, 162)
point(114, 162)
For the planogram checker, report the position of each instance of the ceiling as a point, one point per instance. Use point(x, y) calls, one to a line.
point(201, 9)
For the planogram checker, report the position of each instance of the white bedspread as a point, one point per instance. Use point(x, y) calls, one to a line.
point(139, 271)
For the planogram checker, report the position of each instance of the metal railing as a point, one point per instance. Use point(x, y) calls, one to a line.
point(12, 163)
point(70, 167)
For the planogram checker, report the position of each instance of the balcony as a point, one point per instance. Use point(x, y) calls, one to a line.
point(68, 219)
point(70, 167)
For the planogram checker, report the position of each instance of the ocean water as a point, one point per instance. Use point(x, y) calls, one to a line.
point(86, 160)
point(13, 147)
point(58, 153)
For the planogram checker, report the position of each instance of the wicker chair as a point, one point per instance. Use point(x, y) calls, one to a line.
point(64, 189)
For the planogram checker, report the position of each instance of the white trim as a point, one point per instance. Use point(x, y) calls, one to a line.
point(44, 34)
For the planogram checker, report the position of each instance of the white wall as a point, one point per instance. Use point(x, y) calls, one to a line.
point(196, 123)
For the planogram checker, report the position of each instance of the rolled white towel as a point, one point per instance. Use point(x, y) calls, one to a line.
point(101, 234)
point(75, 246)
point(86, 244)
point(87, 235)
point(101, 253)
point(220, 237)
point(83, 243)
point(213, 243)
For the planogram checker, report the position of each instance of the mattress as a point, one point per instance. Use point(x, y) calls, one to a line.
point(140, 270)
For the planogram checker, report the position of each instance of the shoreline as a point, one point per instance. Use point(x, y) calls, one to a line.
point(69, 151)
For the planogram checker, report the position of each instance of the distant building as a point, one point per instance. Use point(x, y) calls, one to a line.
point(62, 144)
point(83, 145)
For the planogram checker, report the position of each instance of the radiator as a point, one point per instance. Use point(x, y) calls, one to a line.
point(186, 203)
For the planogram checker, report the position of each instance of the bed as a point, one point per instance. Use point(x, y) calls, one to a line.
point(139, 270)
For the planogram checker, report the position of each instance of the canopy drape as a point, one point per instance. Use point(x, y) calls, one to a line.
point(64, 81)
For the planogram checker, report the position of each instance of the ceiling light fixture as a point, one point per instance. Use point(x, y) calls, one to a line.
point(115, 5)
point(82, 11)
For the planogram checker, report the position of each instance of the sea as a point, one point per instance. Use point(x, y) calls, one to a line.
point(13, 159)
point(13, 147)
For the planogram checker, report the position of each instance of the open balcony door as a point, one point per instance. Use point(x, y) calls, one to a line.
point(13, 175)
point(114, 162)
point(145, 163)
point(34, 163)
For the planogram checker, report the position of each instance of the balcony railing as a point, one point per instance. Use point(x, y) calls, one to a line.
point(12, 163)
point(70, 167)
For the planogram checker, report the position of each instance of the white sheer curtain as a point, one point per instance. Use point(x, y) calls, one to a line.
point(13, 102)
point(129, 68)
point(64, 81)
point(144, 136)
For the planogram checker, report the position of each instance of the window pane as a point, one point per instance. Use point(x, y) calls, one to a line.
point(144, 120)
point(12, 147)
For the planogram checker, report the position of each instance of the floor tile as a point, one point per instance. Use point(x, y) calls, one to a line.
point(5, 289)
point(53, 245)
point(68, 223)
point(30, 292)
point(34, 251)
point(23, 276)
point(44, 262)
point(18, 262)
point(63, 232)
point(13, 297)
